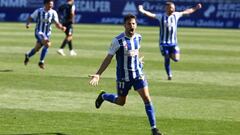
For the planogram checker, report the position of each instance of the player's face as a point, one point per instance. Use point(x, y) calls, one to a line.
point(130, 27)
point(49, 5)
point(170, 9)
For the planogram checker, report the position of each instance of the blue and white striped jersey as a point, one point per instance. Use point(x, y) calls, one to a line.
point(168, 28)
point(127, 55)
point(44, 20)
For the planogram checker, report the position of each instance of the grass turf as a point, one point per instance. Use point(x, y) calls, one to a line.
point(202, 99)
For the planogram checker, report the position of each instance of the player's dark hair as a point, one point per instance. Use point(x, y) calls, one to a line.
point(47, 1)
point(128, 17)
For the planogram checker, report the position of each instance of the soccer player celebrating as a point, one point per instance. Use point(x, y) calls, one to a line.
point(129, 71)
point(44, 18)
point(168, 32)
point(66, 15)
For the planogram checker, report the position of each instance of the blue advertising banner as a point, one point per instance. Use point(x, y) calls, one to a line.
point(17, 10)
point(214, 14)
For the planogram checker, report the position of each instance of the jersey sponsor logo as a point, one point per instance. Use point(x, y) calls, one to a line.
point(132, 53)
point(46, 20)
point(130, 7)
point(168, 23)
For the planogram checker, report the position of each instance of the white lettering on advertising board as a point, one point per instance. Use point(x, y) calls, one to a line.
point(113, 20)
point(187, 22)
point(2, 16)
point(23, 17)
point(130, 7)
point(228, 14)
point(228, 11)
point(93, 6)
point(210, 11)
point(153, 7)
point(13, 3)
point(78, 18)
point(210, 23)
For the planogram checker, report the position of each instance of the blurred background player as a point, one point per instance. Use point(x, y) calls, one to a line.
point(168, 32)
point(66, 14)
point(44, 17)
point(129, 71)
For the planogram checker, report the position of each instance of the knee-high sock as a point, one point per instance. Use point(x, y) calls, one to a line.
point(110, 97)
point(31, 53)
point(167, 66)
point(43, 54)
point(151, 114)
point(70, 45)
point(64, 43)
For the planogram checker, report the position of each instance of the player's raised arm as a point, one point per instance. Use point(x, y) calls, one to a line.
point(145, 12)
point(95, 78)
point(192, 10)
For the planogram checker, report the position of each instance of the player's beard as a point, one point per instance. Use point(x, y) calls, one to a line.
point(131, 32)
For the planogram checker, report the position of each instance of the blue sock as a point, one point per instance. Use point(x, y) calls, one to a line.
point(110, 97)
point(151, 115)
point(43, 54)
point(167, 66)
point(31, 53)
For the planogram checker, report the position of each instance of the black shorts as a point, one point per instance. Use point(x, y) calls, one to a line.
point(69, 29)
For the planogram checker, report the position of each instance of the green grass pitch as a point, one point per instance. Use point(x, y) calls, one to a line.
point(202, 99)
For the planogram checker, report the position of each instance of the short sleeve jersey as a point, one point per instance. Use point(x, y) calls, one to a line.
point(127, 56)
point(168, 28)
point(44, 20)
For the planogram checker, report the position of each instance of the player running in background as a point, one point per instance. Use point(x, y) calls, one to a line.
point(168, 32)
point(129, 71)
point(66, 14)
point(44, 17)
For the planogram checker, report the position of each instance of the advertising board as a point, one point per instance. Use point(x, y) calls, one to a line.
point(214, 14)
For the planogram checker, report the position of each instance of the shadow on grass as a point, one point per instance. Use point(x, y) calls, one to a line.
point(6, 70)
point(37, 134)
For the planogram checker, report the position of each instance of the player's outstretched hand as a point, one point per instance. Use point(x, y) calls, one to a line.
point(94, 79)
point(198, 6)
point(141, 59)
point(140, 8)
